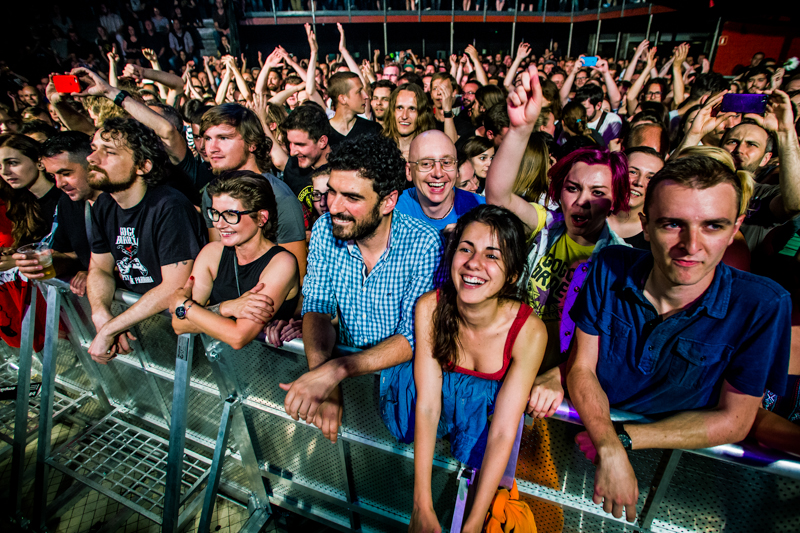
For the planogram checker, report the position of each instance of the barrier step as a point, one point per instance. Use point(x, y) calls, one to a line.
point(128, 464)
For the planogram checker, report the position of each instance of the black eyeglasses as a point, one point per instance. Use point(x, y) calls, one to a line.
point(230, 216)
point(317, 195)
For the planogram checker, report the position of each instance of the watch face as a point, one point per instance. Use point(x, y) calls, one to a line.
point(180, 312)
point(626, 441)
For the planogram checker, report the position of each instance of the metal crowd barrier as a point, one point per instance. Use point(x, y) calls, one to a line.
point(172, 431)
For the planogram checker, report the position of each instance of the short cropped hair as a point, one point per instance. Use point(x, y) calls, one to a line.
point(37, 126)
point(772, 141)
point(615, 161)
point(76, 144)
point(496, 118)
point(143, 143)
point(590, 92)
point(375, 158)
point(310, 118)
point(339, 84)
point(697, 172)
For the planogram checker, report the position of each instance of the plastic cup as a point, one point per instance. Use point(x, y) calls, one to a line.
point(41, 252)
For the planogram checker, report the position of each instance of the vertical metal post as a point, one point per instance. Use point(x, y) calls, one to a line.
point(314, 14)
point(485, 8)
point(177, 432)
point(385, 36)
point(649, 23)
point(349, 13)
point(349, 485)
point(616, 48)
point(658, 36)
point(465, 479)
point(419, 14)
point(23, 399)
point(452, 23)
point(212, 486)
point(714, 44)
point(49, 355)
point(514, 28)
point(664, 472)
point(274, 13)
point(597, 37)
point(423, 48)
point(622, 12)
point(571, 25)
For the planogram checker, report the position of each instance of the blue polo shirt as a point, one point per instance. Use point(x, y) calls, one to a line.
point(408, 204)
point(738, 331)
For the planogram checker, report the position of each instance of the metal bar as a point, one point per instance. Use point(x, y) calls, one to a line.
point(216, 465)
point(249, 460)
point(465, 478)
point(314, 14)
point(616, 48)
point(658, 36)
point(23, 399)
point(350, 15)
point(385, 37)
point(274, 13)
point(177, 433)
point(452, 23)
point(569, 42)
point(514, 27)
point(622, 12)
point(256, 522)
point(46, 402)
point(666, 469)
point(144, 361)
point(597, 37)
point(349, 484)
point(649, 23)
point(714, 44)
point(485, 7)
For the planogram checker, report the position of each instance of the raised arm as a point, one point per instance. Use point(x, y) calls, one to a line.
point(273, 60)
point(704, 123)
point(68, 115)
point(523, 51)
point(113, 57)
point(300, 71)
point(563, 93)
point(642, 48)
point(351, 63)
point(480, 74)
point(151, 56)
point(212, 81)
point(260, 107)
point(614, 98)
point(428, 383)
point(448, 96)
point(454, 66)
point(222, 90)
point(311, 74)
point(678, 87)
point(632, 96)
point(524, 105)
point(241, 84)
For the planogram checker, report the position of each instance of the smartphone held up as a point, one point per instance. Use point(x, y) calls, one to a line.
point(744, 103)
point(66, 83)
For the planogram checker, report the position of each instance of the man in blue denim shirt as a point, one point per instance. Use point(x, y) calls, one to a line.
point(675, 332)
point(367, 266)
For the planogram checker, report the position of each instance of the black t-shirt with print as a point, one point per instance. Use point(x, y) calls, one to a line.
point(164, 228)
point(49, 202)
point(299, 180)
point(69, 234)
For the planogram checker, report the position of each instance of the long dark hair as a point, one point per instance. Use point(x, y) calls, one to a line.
point(510, 233)
point(22, 207)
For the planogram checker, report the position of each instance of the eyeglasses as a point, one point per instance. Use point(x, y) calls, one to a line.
point(317, 195)
point(230, 216)
point(581, 78)
point(426, 165)
point(653, 94)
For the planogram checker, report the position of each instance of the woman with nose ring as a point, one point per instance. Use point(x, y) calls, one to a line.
point(244, 281)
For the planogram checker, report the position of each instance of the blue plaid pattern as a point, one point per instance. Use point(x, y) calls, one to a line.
point(372, 307)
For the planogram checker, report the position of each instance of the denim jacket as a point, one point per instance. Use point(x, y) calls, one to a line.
point(554, 229)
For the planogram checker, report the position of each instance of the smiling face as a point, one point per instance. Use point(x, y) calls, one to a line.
point(405, 113)
point(72, 177)
point(435, 186)
point(307, 150)
point(641, 168)
point(355, 208)
point(225, 148)
point(757, 83)
point(19, 171)
point(482, 162)
point(246, 229)
point(689, 230)
point(478, 271)
point(466, 177)
point(586, 201)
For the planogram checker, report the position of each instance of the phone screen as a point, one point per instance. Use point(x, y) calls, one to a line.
point(744, 103)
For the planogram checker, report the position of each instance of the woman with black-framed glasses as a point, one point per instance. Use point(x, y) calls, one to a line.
point(244, 281)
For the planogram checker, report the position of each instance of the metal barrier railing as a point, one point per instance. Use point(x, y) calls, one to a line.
point(218, 420)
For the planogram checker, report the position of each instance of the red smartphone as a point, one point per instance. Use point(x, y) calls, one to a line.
point(66, 83)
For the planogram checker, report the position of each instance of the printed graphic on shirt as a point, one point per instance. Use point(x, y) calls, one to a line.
point(129, 266)
point(549, 282)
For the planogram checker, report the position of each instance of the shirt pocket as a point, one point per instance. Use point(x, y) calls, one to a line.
point(615, 333)
point(696, 364)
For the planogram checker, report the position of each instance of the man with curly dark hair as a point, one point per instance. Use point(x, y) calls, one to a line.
point(368, 265)
point(151, 233)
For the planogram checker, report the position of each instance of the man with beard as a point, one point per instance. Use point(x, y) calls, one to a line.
point(381, 93)
point(368, 265)
point(64, 156)
point(150, 233)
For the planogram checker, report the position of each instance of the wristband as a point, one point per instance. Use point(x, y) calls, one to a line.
point(447, 114)
point(623, 436)
point(122, 95)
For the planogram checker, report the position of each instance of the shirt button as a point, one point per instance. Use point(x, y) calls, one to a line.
point(584, 268)
point(577, 289)
point(650, 348)
point(567, 333)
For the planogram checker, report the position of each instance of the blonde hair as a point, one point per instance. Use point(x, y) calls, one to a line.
point(531, 180)
point(721, 155)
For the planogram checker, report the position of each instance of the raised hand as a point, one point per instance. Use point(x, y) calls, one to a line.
point(274, 59)
point(778, 117)
point(523, 50)
point(312, 38)
point(651, 58)
point(134, 72)
point(680, 54)
point(453, 61)
point(525, 101)
point(342, 42)
point(113, 56)
point(149, 54)
point(704, 123)
point(446, 93)
point(642, 48)
point(601, 66)
point(472, 52)
point(777, 78)
point(95, 85)
point(260, 106)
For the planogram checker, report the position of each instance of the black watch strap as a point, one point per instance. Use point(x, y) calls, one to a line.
point(122, 95)
point(447, 114)
point(623, 436)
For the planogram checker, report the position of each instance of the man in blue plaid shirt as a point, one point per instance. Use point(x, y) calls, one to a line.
point(368, 265)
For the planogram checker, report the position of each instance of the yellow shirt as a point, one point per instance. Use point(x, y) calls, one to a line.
point(547, 289)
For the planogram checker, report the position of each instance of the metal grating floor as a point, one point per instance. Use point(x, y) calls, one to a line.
point(127, 464)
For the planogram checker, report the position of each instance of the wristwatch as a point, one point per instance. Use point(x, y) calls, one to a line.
point(623, 436)
point(181, 310)
point(447, 114)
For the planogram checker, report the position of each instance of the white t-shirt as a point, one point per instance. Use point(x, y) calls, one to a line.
point(610, 128)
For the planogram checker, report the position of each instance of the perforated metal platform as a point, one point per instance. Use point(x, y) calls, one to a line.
point(128, 465)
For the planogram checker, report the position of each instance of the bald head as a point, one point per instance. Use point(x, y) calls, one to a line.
point(422, 141)
point(651, 135)
point(434, 185)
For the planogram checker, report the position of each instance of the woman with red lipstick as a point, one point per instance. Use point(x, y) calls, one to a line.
point(478, 347)
point(245, 280)
point(588, 185)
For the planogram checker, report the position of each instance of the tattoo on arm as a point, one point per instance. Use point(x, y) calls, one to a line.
point(214, 308)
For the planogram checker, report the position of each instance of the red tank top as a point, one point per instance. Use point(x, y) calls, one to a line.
point(522, 315)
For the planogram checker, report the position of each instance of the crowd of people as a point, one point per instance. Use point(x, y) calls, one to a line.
point(493, 233)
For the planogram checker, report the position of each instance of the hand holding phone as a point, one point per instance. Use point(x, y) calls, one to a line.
point(66, 83)
point(744, 103)
point(590, 61)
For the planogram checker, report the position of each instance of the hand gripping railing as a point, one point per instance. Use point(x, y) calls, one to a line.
point(229, 403)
